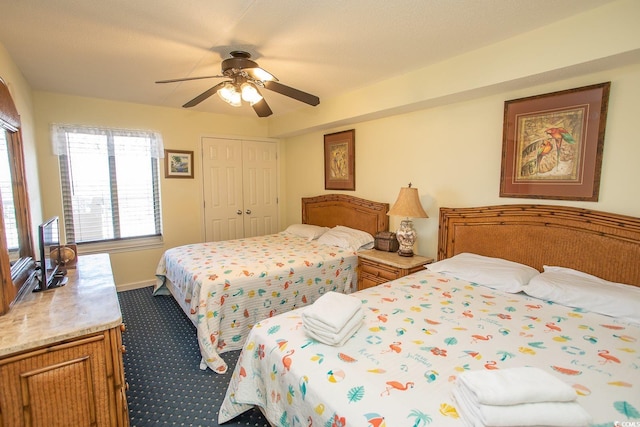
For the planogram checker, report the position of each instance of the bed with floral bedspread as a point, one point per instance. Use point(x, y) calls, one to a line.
point(420, 332)
point(226, 287)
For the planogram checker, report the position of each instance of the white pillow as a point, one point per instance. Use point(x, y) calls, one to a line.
point(578, 289)
point(496, 273)
point(348, 238)
point(308, 231)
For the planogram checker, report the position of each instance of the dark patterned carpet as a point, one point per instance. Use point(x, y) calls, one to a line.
point(161, 364)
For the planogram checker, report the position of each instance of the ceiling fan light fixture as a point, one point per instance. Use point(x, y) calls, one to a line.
point(230, 95)
point(250, 93)
point(245, 81)
point(260, 74)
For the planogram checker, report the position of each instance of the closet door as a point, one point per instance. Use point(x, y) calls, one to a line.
point(240, 188)
point(259, 165)
point(222, 175)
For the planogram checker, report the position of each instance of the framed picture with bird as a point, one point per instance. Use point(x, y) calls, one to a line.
point(552, 144)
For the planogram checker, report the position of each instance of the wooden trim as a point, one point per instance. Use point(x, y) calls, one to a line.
point(6, 285)
point(9, 117)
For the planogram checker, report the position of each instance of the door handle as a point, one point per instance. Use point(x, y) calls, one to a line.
point(248, 212)
point(239, 212)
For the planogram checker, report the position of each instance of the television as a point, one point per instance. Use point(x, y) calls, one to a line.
point(51, 274)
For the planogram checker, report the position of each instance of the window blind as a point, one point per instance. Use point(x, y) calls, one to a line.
point(110, 184)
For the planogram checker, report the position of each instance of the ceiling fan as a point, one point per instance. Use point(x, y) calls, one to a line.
point(246, 77)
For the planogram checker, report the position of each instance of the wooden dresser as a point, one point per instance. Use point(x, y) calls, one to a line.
point(61, 353)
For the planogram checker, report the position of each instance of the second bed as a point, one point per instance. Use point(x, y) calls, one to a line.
point(226, 287)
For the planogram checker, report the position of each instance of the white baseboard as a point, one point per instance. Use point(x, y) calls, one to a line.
point(132, 286)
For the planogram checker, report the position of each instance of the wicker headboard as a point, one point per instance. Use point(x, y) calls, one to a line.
point(330, 210)
point(603, 244)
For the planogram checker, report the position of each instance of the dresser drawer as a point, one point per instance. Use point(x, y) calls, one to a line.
point(381, 271)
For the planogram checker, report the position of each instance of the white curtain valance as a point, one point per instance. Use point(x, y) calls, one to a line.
point(60, 141)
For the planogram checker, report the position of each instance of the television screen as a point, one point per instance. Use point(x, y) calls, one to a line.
point(51, 276)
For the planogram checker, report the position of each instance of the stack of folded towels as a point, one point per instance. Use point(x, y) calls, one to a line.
point(333, 318)
point(523, 396)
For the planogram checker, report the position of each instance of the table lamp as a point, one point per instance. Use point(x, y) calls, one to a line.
point(407, 205)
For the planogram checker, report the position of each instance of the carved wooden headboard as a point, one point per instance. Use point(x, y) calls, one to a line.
point(330, 210)
point(603, 244)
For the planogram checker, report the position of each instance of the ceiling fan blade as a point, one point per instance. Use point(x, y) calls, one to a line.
point(262, 109)
point(186, 79)
point(204, 95)
point(301, 96)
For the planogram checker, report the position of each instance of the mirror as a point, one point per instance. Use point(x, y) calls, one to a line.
point(6, 195)
point(16, 269)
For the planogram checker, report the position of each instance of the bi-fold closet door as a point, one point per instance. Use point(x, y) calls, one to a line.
point(240, 188)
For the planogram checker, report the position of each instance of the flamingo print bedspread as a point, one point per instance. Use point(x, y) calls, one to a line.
point(228, 286)
point(419, 333)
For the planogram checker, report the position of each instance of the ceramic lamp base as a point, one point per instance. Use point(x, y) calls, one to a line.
point(406, 236)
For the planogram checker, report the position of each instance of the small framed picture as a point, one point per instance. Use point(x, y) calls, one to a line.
point(340, 161)
point(178, 164)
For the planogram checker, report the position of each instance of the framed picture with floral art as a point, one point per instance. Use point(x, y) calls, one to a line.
point(552, 144)
point(340, 160)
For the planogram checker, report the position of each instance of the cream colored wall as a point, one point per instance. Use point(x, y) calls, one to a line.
point(602, 38)
point(181, 198)
point(452, 154)
point(21, 94)
point(440, 127)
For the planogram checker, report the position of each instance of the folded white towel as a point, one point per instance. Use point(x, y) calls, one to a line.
point(331, 338)
point(557, 414)
point(321, 327)
point(341, 337)
point(515, 385)
point(332, 311)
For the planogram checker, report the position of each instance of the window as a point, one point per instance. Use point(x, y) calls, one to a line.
point(110, 184)
point(6, 193)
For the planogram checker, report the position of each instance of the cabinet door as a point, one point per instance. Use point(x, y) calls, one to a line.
point(68, 384)
point(119, 396)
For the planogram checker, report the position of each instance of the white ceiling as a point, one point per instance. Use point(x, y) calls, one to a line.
point(117, 49)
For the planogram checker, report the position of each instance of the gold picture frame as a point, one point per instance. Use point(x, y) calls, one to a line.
point(178, 164)
point(552, 144)
point(340, 160)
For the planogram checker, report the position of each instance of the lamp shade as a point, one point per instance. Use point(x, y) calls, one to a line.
point(408, 204)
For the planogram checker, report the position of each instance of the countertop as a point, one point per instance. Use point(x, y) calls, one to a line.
point(393, 259)
point(88, 303)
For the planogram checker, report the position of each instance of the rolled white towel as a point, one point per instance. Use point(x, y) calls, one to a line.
point(556, 414)
point(515, 385)
point(332, 311)
point(335, 339)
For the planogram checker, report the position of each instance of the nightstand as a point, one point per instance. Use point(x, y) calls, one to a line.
point(377, 267)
